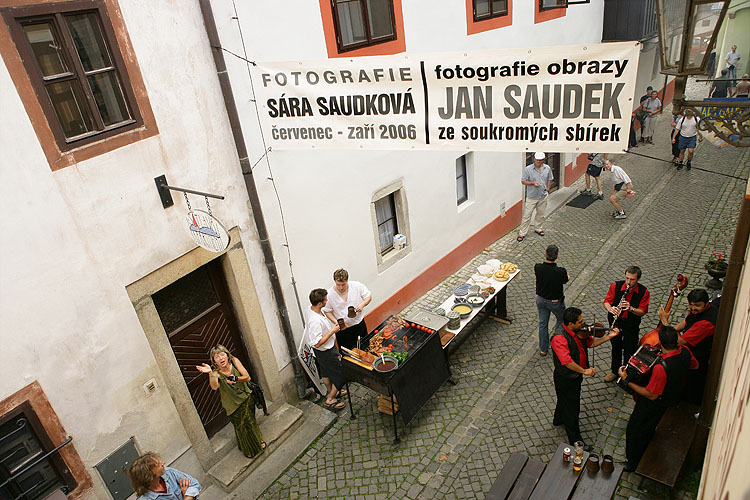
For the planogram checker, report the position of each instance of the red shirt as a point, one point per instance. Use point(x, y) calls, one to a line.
point(560, 346)
point(643, 306)
point(698, 332)
point(659, 377)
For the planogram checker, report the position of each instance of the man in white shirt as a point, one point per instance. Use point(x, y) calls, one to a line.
point(320, 334)
point(537, 178)
point(346, 300)
point(731, 60)
point(623, 188)
point(685, 134)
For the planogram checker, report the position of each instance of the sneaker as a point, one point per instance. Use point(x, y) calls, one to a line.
point(588, 448)
point(679, 165)
point(688, 166)
point(621, 215)
point(599, 195)
point(626, 466)
point(587, 192)
point(610, 377)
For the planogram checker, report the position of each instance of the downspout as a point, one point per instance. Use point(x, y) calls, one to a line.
point(252, 192)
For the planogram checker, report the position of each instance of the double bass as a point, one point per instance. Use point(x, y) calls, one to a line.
point(640, 364)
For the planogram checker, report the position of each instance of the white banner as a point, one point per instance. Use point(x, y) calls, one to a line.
point(561, 99)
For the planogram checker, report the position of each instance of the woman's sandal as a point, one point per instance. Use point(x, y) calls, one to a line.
point(343, 392)
point(520, 238)
point(540, 233)
point(263, 445)
point(335, 405)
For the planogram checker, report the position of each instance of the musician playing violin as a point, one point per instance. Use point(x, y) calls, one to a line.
point(571, 359)
point(697, 332)
point(663, 390)
point(626, 302)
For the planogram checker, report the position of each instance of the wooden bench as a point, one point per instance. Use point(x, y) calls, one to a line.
point(669, 447)
point(517, 480)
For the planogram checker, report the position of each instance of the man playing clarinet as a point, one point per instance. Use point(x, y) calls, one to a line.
point(571, 360)
point(626, 302)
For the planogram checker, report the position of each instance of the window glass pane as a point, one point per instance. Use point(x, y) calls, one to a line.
point(381, 22)
point(552, 3)
point(461, 185)
point(109, 98)
point(70, 107)
point(499, 6)
point(87, 36)
point(46, 49)
point(351, 22)
point(385, 213)
point(482, 7)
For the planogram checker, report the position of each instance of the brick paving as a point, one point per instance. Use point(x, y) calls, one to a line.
point(504, 399)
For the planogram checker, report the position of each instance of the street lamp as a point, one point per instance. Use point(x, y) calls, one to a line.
point(687, 32)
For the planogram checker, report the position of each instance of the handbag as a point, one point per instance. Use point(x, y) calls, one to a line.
point(641, 115)
point(255, 392)
point(591, 156)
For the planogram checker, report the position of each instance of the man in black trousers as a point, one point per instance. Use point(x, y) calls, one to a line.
point(571, 360)
point(628, 300)
point(663, 390)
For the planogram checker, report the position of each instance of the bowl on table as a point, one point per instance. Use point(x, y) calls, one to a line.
point(385, 363)
point(463, 309)
point(475, 300)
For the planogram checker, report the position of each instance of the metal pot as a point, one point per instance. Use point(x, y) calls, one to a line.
point(385, 359)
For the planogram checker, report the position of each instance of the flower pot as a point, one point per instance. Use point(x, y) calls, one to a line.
point(716, 276)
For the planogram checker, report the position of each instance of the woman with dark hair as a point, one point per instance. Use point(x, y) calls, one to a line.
point(230, 378)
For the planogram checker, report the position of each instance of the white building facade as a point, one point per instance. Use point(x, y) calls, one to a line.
point(107, 303)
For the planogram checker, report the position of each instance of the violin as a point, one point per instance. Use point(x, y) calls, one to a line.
point(596, 329)
point(651, 339)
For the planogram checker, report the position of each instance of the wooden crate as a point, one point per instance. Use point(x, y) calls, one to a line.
point(384, 405)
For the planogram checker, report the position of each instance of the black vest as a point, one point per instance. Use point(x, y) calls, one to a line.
point(702, 351)
point(676, 367)
point(560, 370)
point(632, 322)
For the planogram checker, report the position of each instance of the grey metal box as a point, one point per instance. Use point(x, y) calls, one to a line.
point(114, 470)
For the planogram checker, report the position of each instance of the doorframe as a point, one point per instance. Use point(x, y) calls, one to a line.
point(246, 307)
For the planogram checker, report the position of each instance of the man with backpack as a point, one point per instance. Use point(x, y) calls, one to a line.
point(684, 135)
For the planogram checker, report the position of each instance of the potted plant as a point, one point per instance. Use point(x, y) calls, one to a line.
point(717, 268)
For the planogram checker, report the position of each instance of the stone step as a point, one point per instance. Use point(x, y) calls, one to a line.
point(275, 428)
point(253, 483)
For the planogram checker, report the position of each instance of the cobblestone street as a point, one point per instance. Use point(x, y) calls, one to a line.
point(504, 399)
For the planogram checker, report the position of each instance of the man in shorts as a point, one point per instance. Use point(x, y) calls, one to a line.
point(594, 170)
point(623, 188)
point(685, 135)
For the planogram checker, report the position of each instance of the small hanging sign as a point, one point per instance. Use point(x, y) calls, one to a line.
point(205, 229)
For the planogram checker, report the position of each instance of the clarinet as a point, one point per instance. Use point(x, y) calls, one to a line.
point(619, 307)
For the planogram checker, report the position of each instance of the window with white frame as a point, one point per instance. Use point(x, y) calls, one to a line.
point(390, 216)
point(385, 212)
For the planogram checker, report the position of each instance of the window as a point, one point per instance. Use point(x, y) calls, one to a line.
point(552, 4)
point(462, 185)
point(390, 216)
point(72, 63)
point(547, 10)
point(385, 211)
point(79, 82)
point(486, 9)
point(360, 23)
point(24, 461)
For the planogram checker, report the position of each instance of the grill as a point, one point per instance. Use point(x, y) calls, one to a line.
point(416, 379)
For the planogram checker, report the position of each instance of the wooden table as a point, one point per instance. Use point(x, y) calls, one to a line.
point(523, 478)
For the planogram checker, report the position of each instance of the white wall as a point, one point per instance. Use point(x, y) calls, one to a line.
point(325, 195)
point(73, 239)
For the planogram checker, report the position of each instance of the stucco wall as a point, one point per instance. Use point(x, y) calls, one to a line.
point(74, 238)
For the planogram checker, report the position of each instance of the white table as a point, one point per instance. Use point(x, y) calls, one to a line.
point(497, 301)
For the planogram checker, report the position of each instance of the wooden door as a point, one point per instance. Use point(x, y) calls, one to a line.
point(553, 160)
point(197, 315)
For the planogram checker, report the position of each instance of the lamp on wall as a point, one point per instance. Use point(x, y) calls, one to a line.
point(687, 31)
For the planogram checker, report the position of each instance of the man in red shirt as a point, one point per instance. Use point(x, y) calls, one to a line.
point(697, 332)
point(629, 299)
point(571, 360)
point(663, 390)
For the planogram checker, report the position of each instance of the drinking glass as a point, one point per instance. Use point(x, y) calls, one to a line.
point(578, 445)
point(577, 463)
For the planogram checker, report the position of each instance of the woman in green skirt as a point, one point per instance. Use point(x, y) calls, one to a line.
point(230, 378)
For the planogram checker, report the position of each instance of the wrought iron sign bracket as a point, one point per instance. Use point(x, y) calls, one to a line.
point(166, 197)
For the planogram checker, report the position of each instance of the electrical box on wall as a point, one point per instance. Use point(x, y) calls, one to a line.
point(114, 470)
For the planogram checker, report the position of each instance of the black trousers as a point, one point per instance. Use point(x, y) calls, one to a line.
point(641, 426)
point(568, 406)
point(348, 336)
point(623, 346)
point(695, 383)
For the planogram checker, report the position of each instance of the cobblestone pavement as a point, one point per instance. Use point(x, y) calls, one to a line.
point(504, 399)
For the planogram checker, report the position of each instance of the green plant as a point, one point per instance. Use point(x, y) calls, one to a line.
point(717, 262)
